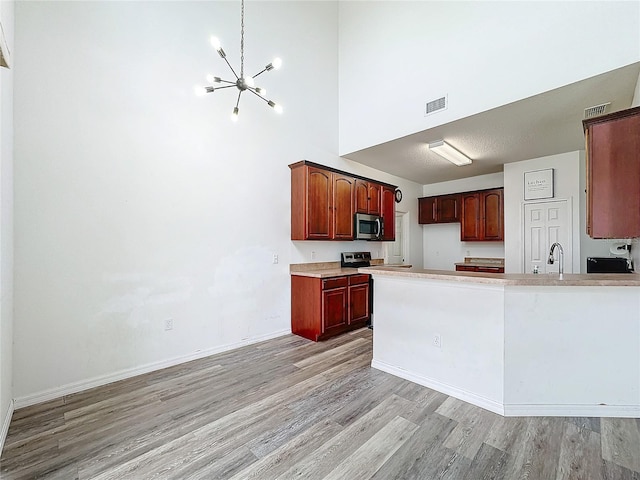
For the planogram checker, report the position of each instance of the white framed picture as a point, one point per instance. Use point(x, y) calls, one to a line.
point(538, 184)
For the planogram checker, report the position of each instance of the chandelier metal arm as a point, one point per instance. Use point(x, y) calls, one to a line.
point(253, 90)
point(226, 86)
point(234, 72)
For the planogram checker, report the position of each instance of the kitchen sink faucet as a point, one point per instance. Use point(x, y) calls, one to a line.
point(561, 258)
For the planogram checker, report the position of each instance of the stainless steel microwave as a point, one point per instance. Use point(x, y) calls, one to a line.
point(368, 227)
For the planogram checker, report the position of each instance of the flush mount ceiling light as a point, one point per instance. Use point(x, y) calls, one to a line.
point(241, 82)
point(447, 152)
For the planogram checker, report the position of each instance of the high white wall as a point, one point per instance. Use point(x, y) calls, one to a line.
point(397, 55)
point(441, 243)
point(137, 202)
point(6, 227)
point(566, 186)
point(636, 94)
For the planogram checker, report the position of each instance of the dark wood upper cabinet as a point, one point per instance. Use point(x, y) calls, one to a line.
point(367, 197)
point(388, 212)
point(483, 216)
point(342, 207)
point(321, 204)
point(613, 174)
point(324, 200)
point(449, 208)
point(493, 215)
point(439, 209)
point(375, 192)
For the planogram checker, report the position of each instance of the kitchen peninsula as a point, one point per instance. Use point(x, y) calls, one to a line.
point(511, 343)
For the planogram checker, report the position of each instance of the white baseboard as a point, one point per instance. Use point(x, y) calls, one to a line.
point(514, 410)
point(569, 410)
point(477, 400)
point(5, 425)
point(82, 385)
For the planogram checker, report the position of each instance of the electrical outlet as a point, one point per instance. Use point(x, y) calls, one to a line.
point(275, 258)
point(168, 324)
point(437, 340)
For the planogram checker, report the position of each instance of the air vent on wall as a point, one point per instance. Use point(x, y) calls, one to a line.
point(436, 105)
point(596, 110)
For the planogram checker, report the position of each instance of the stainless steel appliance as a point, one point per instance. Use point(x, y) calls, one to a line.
point(368, 227)
point(608, 265)
point(356, 260)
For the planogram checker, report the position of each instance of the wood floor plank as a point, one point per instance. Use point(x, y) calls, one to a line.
point(279, 460)
point(489, 464)
point(580, 454)
point(368, 459)
point(292, 408)
point(420, 449)
point(323, 460)
point(469, 434)
point(621, 442)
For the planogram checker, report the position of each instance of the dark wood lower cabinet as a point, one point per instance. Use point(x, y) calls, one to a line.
point(325, 307)
point(475, 268)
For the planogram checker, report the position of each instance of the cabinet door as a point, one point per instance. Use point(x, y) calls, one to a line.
point(361, 196)
point(343, 207)
point(427, 210)
point(334, 310)
point(613, 175)
point(471, 230)
point(448, 209)
point(389, 214)
point(358, 303)
point(319, 211)
point(492, 215)
point(375, 192)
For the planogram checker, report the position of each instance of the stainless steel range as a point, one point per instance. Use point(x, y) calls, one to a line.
point(355, 259)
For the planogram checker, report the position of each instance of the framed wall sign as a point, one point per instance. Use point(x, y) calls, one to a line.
point(538, 184)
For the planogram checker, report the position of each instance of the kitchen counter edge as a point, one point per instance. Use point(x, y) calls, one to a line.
point(539, 280)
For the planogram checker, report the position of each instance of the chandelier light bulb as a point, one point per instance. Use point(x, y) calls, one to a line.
point(199, 91)
point(249, 82)
point(212, 79)
point(215, 43)
point(277, 63)
point(278, 108)
point(261, 91)
point(234, 115)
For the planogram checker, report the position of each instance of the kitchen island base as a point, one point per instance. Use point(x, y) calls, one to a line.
point(513, 349)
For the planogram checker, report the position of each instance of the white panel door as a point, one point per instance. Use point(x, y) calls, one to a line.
point(395, 251)
point(544, 224)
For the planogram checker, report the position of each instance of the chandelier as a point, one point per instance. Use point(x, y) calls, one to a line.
point(241, 82)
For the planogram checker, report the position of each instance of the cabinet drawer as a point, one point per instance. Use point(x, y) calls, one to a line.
point(464, 268)
point(334, 282)
point(491, 269)
point(357, 279)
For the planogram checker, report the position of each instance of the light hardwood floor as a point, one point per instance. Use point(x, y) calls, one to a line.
point(289, 408)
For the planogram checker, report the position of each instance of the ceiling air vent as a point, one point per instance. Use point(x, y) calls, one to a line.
point(436, 105)
point(596, 110)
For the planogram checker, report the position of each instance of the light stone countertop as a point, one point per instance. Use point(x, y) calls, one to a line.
point(482, 262)
point(331, 269)
point(534, 280)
